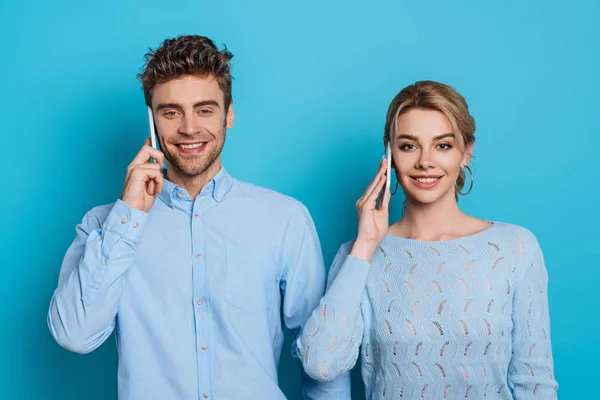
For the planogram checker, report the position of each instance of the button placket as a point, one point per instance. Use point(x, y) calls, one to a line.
point(202, 307)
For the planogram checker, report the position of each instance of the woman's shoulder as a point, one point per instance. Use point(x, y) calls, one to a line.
point(508, 229)
point(517, 239)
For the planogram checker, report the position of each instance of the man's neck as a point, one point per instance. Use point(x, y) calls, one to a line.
point(193, 184)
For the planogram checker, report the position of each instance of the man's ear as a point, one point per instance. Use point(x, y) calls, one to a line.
point(230, 117)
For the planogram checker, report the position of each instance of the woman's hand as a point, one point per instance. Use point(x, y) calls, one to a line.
point(373, 222)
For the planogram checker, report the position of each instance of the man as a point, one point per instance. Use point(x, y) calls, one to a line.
point(195, 270)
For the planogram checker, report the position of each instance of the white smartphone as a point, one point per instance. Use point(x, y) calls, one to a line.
point(388, 156)
point(152, 129)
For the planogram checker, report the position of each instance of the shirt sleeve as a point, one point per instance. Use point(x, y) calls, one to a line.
point(303, 284)
point(84, 306)
point(531, 369)
point(331, 338)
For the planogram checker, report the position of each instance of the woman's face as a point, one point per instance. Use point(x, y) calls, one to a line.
point(427, 155)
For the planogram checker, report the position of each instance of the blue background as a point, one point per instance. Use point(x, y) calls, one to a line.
point(313, 82)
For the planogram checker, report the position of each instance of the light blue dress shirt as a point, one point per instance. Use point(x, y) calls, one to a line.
point(196, 291)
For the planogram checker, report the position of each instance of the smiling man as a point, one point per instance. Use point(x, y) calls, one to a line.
point(196, 271)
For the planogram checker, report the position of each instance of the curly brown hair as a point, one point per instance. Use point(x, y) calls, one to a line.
point(186, 55)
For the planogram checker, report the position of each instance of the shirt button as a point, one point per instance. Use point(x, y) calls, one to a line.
point(217, 196)
point(123, 220)
point(104, 262)
point(135, 224)
point(197, 216)
point(200, 301)
point(199, 257)
point(179, 194)
point(204, 347)
point(206, 395)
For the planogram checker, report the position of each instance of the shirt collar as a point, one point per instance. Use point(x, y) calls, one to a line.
point(217, 188)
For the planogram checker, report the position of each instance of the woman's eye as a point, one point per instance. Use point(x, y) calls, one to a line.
point(445, 146)
point(407, 146)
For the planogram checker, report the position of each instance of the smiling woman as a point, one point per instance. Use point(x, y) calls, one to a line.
point(440, 304)
point(429, 122)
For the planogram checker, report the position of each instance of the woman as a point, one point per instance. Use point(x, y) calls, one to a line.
point(442, 304)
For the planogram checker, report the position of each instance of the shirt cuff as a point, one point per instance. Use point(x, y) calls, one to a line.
point(126, 222)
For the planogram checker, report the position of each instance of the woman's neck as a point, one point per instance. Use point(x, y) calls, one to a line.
point(439, 221)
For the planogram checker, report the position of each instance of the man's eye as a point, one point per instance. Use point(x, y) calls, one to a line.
point(205, 111)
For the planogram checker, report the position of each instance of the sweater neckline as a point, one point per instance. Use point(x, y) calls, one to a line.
point(392, 239)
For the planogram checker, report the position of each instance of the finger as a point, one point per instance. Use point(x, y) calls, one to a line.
point(145, 165)
point(160, 160)
point(150, 187)
point(371, 186)
point(159, 184)
point(376, 180)
point(144, 174)
point(386, 204)
point(145, 153)
point(371, 200)
point(380, 197)
point(155, 185)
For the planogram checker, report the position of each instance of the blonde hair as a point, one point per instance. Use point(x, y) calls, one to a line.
point(431, 95)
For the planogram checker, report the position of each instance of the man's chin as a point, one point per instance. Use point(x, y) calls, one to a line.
point(187, 169)
point(190, 172)
point(191, 166)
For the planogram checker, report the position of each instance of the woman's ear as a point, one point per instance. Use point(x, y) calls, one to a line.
point(468, 154)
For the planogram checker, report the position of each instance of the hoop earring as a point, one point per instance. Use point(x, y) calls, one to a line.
point(395, 190)
point(472, 181)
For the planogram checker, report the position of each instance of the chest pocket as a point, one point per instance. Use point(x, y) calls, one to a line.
point(252, 282)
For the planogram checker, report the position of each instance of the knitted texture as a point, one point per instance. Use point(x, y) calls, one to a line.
point(466, 318)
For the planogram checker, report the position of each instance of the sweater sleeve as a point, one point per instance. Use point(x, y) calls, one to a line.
point(331, 338)
point(531, 370)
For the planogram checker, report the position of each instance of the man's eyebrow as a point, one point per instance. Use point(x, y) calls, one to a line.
point(204, 103)
point(162, 106)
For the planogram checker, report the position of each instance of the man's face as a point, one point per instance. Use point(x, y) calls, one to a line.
point(191, 123)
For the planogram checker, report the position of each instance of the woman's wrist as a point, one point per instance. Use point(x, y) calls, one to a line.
point(364, 249)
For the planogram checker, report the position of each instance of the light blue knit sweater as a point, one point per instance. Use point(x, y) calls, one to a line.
point(461, 319)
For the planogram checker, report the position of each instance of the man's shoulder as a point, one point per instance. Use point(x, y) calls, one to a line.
point(269, 198)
